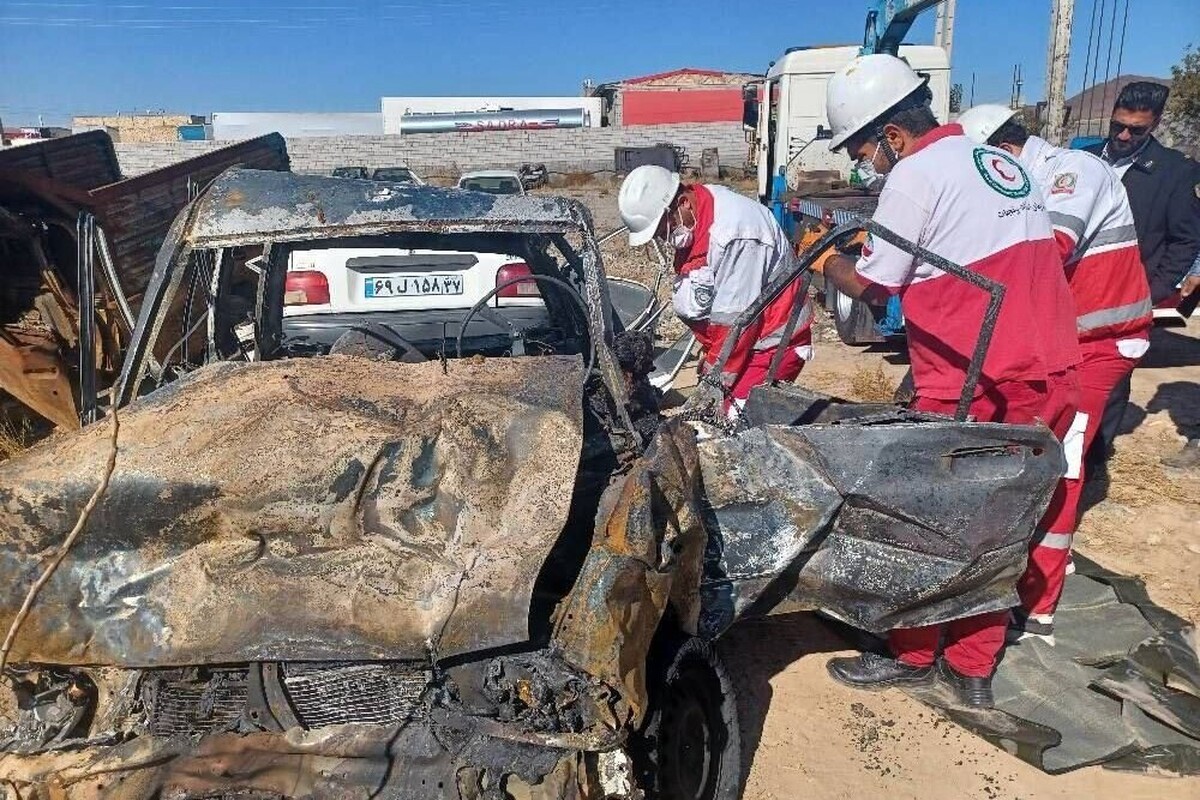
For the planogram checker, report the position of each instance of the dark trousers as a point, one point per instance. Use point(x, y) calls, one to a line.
point(1110, 425)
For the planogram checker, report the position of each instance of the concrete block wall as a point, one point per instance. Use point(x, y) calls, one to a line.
point(562, 150)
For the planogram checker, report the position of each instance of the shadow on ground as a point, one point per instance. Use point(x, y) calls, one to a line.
point(1171, 347)
point(1181, 401)
point(757, 650)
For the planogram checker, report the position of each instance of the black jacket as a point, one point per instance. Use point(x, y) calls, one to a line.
point(1164, 192)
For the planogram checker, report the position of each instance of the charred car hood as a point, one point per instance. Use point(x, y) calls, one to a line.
point(304, 510)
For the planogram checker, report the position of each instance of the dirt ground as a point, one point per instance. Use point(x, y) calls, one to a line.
point(805, 736)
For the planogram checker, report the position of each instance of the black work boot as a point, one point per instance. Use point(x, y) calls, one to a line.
point(1023, 625)
point(970, 692)
point(873, 671)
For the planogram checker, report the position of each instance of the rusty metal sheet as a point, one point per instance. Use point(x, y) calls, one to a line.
point(32, 371)
point(646, 555)
point(252, 205)
point(315, 509)
point(45, 184)
point(415, 761)
point(136, 213)
point(82, 161)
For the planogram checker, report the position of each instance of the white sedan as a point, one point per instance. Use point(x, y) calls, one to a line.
point(416, 296)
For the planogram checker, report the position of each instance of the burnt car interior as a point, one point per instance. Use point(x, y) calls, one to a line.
point(229, 302)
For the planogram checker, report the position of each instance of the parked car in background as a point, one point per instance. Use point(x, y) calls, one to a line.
point(397, 175)
point(418, 296)
point(350, 172)
point(493, 181)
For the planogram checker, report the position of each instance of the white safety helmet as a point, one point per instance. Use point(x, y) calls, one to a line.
point(863, 90)
point(645, 196)
point(980, 122)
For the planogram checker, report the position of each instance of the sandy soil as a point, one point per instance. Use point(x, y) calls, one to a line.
point(805, 736)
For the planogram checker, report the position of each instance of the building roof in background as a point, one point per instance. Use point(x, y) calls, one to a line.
point(689, 77)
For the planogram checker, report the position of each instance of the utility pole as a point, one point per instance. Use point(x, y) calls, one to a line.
point(943, 31)
point(1018, 81)
point(1062, 12)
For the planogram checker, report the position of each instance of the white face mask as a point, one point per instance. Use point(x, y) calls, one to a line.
point(681, 237)
point(864, 168)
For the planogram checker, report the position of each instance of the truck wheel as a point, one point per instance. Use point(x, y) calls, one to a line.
point(691, 746)
point(854, 319)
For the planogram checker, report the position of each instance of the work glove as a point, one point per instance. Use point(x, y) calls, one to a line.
point(850, 243)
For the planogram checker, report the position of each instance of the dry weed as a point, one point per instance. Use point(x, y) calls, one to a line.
point(575, 179)
point(1137, 480)
point(14, 437)
point(871, 385)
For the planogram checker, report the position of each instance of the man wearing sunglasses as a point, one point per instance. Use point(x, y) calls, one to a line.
point(1164, 193)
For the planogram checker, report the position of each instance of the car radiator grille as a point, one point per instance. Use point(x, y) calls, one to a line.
point(338, 694)
point(183, 706)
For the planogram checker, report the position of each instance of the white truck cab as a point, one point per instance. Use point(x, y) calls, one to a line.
point(791, 115)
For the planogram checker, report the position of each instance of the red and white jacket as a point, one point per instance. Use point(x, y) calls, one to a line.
point(1093, 225)
point(737, 251)
point(977, 207)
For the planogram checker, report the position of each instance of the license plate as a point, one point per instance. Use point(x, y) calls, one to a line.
point(412, 285)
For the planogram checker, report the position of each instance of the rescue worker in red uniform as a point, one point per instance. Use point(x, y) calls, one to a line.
point(977, 207)
point(728, 248)
point(1094, 229)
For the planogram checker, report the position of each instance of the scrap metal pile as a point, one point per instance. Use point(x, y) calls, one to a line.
point(77, 246)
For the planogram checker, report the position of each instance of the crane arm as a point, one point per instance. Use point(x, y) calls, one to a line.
point(893, 18)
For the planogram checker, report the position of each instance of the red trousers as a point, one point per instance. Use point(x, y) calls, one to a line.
point(756, 370)
point(972, 644)
point(1102, 368)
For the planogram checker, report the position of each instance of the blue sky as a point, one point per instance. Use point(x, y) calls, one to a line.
point(200, 56)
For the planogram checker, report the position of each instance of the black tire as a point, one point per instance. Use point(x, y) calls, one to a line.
point(854, 319)
point(690, 747)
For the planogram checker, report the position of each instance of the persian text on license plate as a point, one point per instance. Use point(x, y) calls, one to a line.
point(412, 285)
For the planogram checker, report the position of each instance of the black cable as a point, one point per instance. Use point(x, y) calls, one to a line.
point(1121, 51)
point(1087, 63)
point(1112, 30)
point(571, 292)
point(1096, 64)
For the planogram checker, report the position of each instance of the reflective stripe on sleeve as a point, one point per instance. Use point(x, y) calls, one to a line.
point(1118, 235)
point(1074, 224)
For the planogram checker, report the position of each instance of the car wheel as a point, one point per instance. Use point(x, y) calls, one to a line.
point(691, 746)
point(854, 319)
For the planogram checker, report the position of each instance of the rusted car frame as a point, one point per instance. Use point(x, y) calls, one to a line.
point(470, 578)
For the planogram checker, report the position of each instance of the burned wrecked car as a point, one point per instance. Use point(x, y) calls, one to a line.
point(473, 575)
